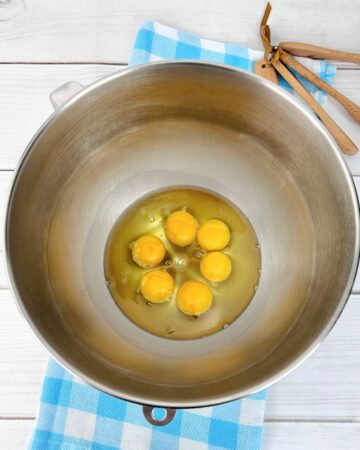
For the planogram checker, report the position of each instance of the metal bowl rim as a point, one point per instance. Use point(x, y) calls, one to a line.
point(216, 399)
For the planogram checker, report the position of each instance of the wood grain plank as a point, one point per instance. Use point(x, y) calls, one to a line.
point(15, 434)
point(311, 436)
point(25, 105)
point(93, 31)
point(5, 181)
point(356, 286)
point(323, 388)
point(3, 278)
point(325, 382)
point(22, 362)
point(348, 83)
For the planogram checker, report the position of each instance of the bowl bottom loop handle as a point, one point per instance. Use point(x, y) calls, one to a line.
point(148, 414)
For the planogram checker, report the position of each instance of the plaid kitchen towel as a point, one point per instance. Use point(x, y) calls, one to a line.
point(75, 416)
point(156, 42)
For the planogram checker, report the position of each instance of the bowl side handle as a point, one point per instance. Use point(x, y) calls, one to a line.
point(63, 93)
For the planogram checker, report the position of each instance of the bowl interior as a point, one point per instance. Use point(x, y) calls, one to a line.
point(182, 124)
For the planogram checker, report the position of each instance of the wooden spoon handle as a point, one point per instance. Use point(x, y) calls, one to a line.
point(351, 107)
point(313, 51)
point(344, 142)
point(266, 70)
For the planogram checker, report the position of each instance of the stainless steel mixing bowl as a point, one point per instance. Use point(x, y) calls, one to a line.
point(180, 124)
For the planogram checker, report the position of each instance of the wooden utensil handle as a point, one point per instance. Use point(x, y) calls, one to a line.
point(313, 51)
point(344, 142)
point(351, 107)
point(266, 70)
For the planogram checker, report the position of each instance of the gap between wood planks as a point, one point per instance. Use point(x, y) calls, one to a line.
point(325, 421)
point(64, 63)
point(337, 64)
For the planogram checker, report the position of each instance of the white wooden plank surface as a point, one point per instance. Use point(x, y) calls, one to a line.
point(348, 82)
point(356, 287)
point(311, 436)
point(22, 362)
point(323, 381)
point(94, 31)
point(3, 279)
point(324, 387)
point(15, 434)
point(318, 405)
point(5, 181)
point(25, 105)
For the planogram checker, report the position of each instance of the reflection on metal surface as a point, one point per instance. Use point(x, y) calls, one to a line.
point(162, 125)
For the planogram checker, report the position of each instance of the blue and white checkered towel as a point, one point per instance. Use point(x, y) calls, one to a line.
point(156, 42)
point(74, 416)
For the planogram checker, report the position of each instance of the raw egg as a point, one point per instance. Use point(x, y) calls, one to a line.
point(194, 298)
point(181, 228)
point(157, 286)
point(215, 266)
point(148, 251)
point(160, 276)
point(213, 235)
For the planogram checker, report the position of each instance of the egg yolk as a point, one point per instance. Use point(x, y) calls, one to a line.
point(194, 298)
point(215, 266)
point(148, 251)
point(180, 228)
point(157, 286)
point(213, 235)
